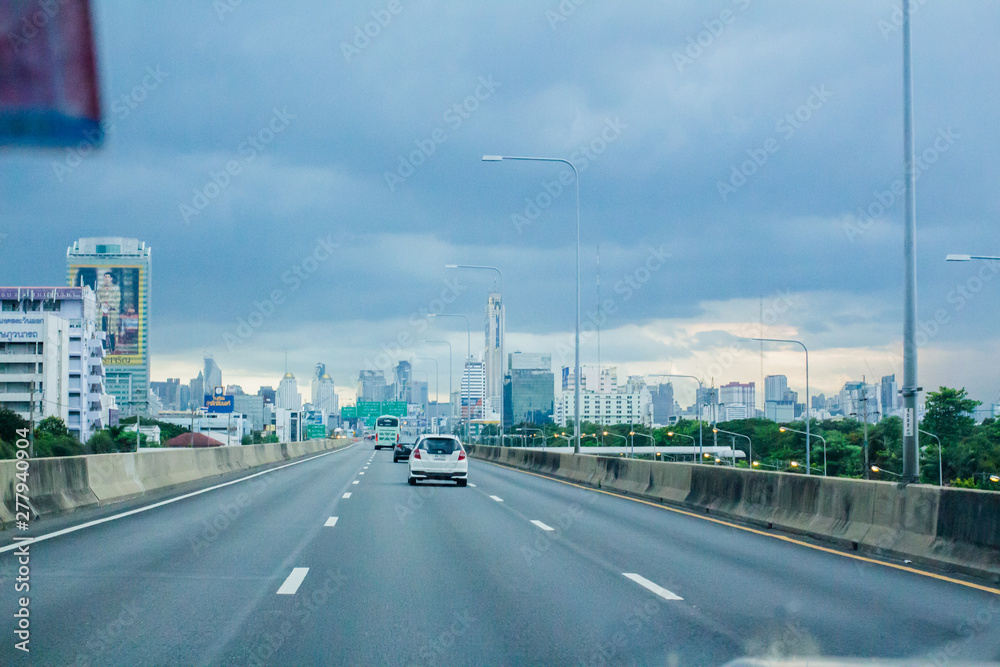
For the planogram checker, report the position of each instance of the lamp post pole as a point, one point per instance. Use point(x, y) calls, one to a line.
point(792, 430)
point(576, 364)
point(940, 469)
point(502, 326)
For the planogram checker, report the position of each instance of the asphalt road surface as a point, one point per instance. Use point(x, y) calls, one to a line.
point(336, 560)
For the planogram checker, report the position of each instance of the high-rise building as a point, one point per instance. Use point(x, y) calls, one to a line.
point(663, 403)
point(212, 375)
point(891, 400)
point(252, 407)
point(775, 387)
point(473, 390)
point(372, 386)
point(198, 390)
point(604, 379)
point(323, 395)
point(738, 401)
point(606, 407)
point(288, 396)
point(529, 389)
point(169, 393)
point(119, 270)
point(52, 348)
point(268, 394)
point(493, 359)
point(403, 375)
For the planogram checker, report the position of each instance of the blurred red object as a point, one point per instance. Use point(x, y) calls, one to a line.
point(48, 74)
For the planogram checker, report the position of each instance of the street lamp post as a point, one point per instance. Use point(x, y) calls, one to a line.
point(887, 472)
point(632, 454)
point(444, 342)
point(502, 333)
point(940, 468)
point(792, 430)
point(468, 355)
point(576, 365)
point(671, 434)
point(701, 442)
point(808, 418)
point(750, 445)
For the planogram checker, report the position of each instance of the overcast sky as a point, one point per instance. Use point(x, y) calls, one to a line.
point(372, 143)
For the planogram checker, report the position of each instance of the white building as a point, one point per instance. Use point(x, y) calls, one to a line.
point(493, 358)
point(324, 397)
point(473, 390)
point(738, 401)
point(51, 354)
point(606, 407)
point(604, 379)
point(288, 396)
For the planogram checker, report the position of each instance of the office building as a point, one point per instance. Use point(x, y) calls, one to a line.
point(775, 387)
point(119, 270)
point(473, 389)
point(602, 379)
point(51, 357)
point(493, 359)
point(529, 389)
point(169, 393)
point(288, 396)
point(324, 397)
point(737, 401)
point(268, 394)
point(891, 401)
point(606, 407)
point(197, 391)
point(662, 396)
point(252, 408)
point(402, 375)
point(212, 375)
point(372, 387)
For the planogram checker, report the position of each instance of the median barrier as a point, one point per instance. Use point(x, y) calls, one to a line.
point(58, 484)
point(66, 483)
point(954, 529)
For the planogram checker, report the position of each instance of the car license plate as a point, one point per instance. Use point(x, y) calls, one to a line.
point(438, 457)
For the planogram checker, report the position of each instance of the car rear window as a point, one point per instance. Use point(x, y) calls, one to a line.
point(440, 445)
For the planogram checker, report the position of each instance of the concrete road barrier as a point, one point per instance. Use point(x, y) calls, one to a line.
point(952, 529)
point(64, 484)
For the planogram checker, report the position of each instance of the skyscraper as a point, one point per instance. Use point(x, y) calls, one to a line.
point(738, 401)
point(212, 375)
point(288, 396)
point(403, 376)
point(119, 270)
point(775, 387)
point(493, 360)
point(663, 403)
point(323, 395)
point(473, 390)
point(530, 389)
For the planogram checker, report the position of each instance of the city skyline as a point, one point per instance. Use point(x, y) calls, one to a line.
point(777, 188)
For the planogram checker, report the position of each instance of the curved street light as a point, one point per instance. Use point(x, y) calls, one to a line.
point(887, 472)
point(782, 429)
point(719, 430)
point(940, 468)
point(697, 400)
point(671, 434)
point(577, 379)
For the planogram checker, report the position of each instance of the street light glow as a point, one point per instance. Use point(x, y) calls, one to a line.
point(995, 478)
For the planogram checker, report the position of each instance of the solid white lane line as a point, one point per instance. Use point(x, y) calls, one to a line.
point(139, 510)
point(356, 482)
point(346, 495)
point(472, 485)
point(293, 581)
point(541, 525)
point(331, 522)
point(499, 500)
point(646, 583)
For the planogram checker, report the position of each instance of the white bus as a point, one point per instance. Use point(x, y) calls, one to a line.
point(386, 431)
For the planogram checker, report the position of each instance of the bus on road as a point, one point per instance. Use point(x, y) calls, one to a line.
point(386, 431)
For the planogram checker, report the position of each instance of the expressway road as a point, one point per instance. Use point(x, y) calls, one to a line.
point(286, 568)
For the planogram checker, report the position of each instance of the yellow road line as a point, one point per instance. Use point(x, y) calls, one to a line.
point(783, 538)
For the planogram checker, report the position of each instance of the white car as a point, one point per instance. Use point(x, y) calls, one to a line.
point(439, 457)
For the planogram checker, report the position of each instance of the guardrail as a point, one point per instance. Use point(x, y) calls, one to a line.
point(64, 484)
point(952, 529)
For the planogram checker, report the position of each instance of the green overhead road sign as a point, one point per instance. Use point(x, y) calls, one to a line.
point(348, 412)
point(315, 431)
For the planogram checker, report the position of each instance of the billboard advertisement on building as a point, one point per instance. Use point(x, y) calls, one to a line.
point(120, 309)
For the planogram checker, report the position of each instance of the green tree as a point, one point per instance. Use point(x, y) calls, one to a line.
point(949, 415)
point(10, 424)
point(52, 426)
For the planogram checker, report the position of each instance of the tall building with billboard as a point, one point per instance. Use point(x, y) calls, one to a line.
point(119, 270)
point(493, 360)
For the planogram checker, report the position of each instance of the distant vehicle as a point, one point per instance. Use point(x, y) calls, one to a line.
point(403, 448)
point(386, 431)
point(439, 457)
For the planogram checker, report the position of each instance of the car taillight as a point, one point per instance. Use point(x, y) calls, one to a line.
point(461, 455)
point(397, 437)
point(376, 437)
point(416, 453)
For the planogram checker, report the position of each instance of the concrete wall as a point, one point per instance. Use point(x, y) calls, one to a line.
point(954, 529)
point(66, 483)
